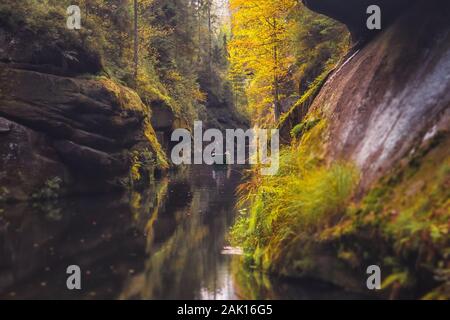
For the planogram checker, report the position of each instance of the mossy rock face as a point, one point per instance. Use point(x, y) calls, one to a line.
point(401, 225)
point(82, 131)
point(385, 111)
point(298, 112)
point(303, 127)
point(389, 96)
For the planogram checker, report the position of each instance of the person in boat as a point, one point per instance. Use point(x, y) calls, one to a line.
point(225, 156)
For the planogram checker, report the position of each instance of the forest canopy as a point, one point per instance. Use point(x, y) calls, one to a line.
point(171, 52)
point(277, 51)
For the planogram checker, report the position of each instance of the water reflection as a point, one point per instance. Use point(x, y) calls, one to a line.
point(166, 243)
point(187, 263)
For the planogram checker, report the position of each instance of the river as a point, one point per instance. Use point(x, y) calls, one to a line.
point(168, 242)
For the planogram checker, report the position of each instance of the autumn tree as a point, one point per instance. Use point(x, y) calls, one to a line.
point(260, 49)
point(136, 39)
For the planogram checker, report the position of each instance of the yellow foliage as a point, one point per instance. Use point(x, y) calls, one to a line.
point(161, 157)
point(128, 99)
point(303, 200)
point(261, 47)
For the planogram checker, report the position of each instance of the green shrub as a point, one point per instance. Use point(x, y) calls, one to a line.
point(304, 198)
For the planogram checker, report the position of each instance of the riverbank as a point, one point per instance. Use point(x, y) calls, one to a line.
point(165, 243)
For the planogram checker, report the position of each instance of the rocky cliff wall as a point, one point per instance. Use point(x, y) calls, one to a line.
point(385, 109)
point(63, 130)
point(391, 97)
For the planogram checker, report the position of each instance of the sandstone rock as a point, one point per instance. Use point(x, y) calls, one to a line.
point(382, 101)
point(163, 117)
point(78, 131)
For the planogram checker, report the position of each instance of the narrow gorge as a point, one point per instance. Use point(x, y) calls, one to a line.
point(87, 179)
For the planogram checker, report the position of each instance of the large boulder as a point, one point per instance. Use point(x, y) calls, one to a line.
point(62, 135)
point(393, 95)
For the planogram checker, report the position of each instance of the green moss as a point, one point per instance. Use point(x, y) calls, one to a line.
point(161, 158)
point(127, 98)
point(407, 213)
point(303, 127)
point(130, 100)
point(143, 163)
point(303, 104)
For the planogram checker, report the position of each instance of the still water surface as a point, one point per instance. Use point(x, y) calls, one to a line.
point(166, 243)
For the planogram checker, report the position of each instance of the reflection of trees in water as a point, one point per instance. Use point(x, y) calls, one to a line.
point(174, 269)
point(250, 284)
point(164, 242)
point(185, 264)
point(102, 234)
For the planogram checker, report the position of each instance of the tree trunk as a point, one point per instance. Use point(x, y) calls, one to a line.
point(276, 86)
point(199, 31)
point(277, 103)
point(136, 42)
point(86, 8)
point(209, 39)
